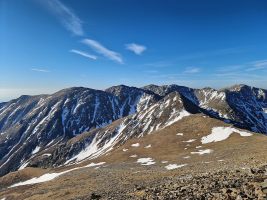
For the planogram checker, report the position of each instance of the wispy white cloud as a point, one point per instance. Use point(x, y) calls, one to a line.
point(213, 53)
point(136, 48)
point(66, 16)
point(192, 70)
point(99, 48)
point(230, 68)
point(84, 54)
point(257, 65)
point(158, 64)
point(253, 66)
point(151, 71)
point(40, 70)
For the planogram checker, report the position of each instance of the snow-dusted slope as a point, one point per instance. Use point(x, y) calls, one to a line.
point(248, 106)
point(132, 99)
point(97, 142)
point(241, 105)
point(39, 122)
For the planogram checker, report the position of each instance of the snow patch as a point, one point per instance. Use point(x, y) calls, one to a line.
point(186, 157)
point(180, 134)
point(174, 118)
point(133, 156)
point(201, 152)
point(36, 150)
point(189, 141)
point(125, 150)
point(148, 146)
point(146, 161)
point(174, 166)
point(135, 145)
point(47, 154)
point(222, 133)
point(51, 176)
point(24, 165)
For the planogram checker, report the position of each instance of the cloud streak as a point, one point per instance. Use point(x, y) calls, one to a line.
point(257, 65)
point(136, 48)
point(84, 54)
point(192, 70)
point(214, 53)
point(40, 70)
point(102, 50)
point(65, 15)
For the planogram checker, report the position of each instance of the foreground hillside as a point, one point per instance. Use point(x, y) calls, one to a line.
point(196, 157)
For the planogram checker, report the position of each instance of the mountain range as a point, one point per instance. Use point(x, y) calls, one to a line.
point(76, 119)
point(77, 125)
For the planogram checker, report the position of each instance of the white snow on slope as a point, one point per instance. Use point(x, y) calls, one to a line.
point(148, 146)
point(51, 176)
point(176, 118)
point(97, 103)
point(135, 145)
point(24, 165)
point(180, 134)
point(201, 152)
point(93, 150)
point(36, 150)
point(174, 166)
point(146, 161)
point(265, 112)
point(189, 141)
point(222, 133)
point(186, 157)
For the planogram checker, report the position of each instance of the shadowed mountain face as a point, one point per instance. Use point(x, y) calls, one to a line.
point(33, 123)
point(80, 123)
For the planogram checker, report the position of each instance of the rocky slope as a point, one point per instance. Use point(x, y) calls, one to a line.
point(97, 142)
point(31, 124)
point(241, 105)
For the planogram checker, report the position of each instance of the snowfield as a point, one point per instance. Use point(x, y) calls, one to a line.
point(222, 133)
point(51, 176)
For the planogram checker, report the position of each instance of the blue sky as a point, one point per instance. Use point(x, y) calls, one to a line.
point(53, 44)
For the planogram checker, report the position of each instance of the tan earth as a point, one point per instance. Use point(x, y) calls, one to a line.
point(121, 177)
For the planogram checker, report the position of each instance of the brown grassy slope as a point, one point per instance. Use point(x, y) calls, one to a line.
point(122, 172)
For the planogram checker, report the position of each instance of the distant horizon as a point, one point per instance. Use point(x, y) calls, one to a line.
point(3, 100)
point(54, 44)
